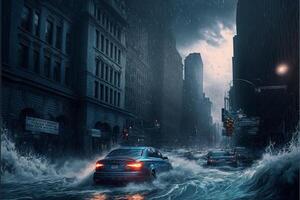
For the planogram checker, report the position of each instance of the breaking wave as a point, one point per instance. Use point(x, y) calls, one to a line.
point(274, 176)
point(16, 166)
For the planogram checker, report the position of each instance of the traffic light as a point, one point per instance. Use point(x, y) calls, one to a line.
point(125, 134)
point(229, 126)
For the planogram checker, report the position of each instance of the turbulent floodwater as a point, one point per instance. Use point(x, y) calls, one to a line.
point(275, 176)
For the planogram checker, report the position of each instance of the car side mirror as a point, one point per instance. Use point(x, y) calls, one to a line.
point(165, 158)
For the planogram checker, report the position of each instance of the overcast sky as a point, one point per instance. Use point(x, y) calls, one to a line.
point(208, 27)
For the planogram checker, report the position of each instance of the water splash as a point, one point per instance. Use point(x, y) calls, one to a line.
point(275, 176)
point(16, 166)
point(22, 166)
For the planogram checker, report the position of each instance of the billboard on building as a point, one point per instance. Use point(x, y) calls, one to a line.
point(41, 125)
point(95, 133)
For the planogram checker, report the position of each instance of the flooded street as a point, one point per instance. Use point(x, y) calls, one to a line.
point(149, 100)
point(31, 177)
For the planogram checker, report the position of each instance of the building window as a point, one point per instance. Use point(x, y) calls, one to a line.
point(99, 15)
point(106, 94)
point(111, 49)
point(115, 78)
point(106, 73)
point(119, 34)
point(102, 69)
point(111, 27)
point(106, 46)
point(95, 11)
point(111, 75)
point(36, 23)
point(119, 77)
point(47, 66)
point(118, 99)
point(96, 90)
point(36, 61)
point(58, 37)
point(97, 39)
point(57, 71)
point(110, 96)
point(23, 56)
point(68, 43)
point(115, 30)
point(102, 42)
point(48, 32)
point(103, 19)
point(101, 92)
point(25, 18)
point(115, 97)
point(119, 56)
point(97, 68)
point(67, 75)
point(115, 53)
point(107, 23)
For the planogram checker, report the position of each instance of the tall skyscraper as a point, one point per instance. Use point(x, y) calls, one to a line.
point(193, 74)
point(192, 96)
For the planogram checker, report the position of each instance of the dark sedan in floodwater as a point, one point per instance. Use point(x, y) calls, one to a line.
point(128, 164)
point(221, 158)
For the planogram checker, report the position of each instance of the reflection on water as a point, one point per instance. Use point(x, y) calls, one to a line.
point(99, 197)
point(135, 197)
point(125, 197)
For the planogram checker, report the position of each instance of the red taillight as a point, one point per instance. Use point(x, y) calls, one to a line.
point(135, 165)
point(99, 165)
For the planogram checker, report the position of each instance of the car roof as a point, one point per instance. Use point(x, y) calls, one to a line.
point(240, 147)
point(133, 147)
point(217, 152)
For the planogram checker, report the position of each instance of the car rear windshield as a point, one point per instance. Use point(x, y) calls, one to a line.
point(126, 152)
point(218, 153)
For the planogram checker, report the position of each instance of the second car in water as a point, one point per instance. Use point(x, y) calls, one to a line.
point(215, 158)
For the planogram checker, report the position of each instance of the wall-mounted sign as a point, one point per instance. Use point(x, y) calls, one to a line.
point(41, 125)
point(95, 133)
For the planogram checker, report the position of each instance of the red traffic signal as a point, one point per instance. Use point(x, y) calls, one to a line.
point(125, 134)
point(229, 126)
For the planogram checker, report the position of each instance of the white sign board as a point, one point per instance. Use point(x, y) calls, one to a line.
point(95, 133)
point(41, 125)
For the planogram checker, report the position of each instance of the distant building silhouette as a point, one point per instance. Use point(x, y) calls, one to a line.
point(196, 118)
point(154, 73)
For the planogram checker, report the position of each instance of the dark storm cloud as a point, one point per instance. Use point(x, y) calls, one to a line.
point(200, 20)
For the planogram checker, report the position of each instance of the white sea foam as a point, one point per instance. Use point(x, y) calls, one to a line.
point(274, 176)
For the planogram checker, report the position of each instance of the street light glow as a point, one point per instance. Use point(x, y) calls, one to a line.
point(282, 69)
